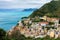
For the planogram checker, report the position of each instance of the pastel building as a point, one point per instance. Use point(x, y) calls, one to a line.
point(43, 23)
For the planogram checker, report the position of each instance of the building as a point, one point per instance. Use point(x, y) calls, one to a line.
point(43, 23)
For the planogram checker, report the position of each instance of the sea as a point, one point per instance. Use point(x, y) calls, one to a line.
point(9, 19)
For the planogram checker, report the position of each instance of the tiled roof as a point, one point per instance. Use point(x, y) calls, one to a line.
point(43, 23)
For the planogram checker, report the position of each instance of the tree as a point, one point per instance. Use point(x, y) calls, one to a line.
point(16, 35)
point(2, 34)
point(51, 23)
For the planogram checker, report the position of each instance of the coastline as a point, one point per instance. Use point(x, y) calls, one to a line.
point(9, 19)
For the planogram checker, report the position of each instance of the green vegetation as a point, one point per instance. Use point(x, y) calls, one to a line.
point(24, 17)
point(51, 9)
point(51, 23)
point(23, 22)
point(36, 20)
point(3, 35)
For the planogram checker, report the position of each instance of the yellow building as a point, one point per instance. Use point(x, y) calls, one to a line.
point(52, 34)
point(44, 18)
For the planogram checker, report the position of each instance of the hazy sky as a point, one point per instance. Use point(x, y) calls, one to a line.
point(22, 3)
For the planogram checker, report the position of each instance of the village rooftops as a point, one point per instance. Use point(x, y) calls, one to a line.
point(43, 22)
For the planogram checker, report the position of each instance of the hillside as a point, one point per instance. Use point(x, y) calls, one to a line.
point(30, 9)
point(51, 9)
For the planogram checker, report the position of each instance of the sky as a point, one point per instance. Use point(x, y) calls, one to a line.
point(12, 4)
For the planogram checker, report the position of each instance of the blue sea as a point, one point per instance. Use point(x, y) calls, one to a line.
point(10, 19)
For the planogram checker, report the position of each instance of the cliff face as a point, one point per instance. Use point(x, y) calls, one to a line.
point(51, 9)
